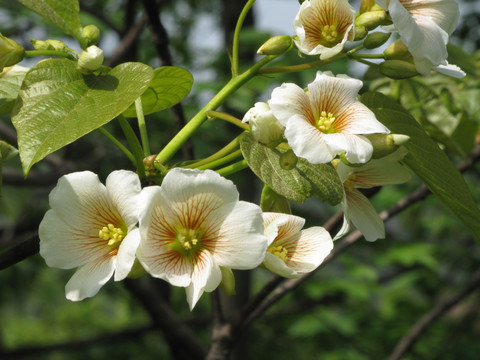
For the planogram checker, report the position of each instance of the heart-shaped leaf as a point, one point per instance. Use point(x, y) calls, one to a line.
point(169, 86)
point(427, 160)
point(57, 104)
point(62, 13)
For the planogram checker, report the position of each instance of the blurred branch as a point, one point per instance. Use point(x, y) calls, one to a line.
point(440, 309)
point(106, 339)
point(19, 252)
point(182, 343)
point(100, 15)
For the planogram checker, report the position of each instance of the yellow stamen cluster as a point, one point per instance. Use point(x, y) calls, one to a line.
point(279, 251)
point(188, 238)
point(349, 183)
point(329, 33)
point(111, 234)
point(325, 121)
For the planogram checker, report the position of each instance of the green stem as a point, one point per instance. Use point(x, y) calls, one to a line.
point(134, 144)
point(224, 160)
point(175, 144)
point(142, 126)
point(234, 168)
point(301, 67)
point(227, 117)
point(366, 62)
point(33, 53)
point(117, 143)
point(236, 36)
point(354, 50)
point(219, 154)
point(367, 56)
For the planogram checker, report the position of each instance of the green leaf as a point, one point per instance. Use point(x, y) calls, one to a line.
point(10, 81)
point(7, 152)
point(296, 184)
point(62, 13)
point(427, 160)
point(57, 104)
point(169, 86)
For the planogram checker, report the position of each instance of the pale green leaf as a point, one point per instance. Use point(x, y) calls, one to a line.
point(169, 86)
point(7, 152)
point(62, 13)
point(57, 104)
point(427, 160)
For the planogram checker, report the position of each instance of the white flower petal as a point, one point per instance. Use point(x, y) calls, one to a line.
point(344, 229)
point(307, 141)
point(358, 149)
point(361, 213)
point(290, 100)
point(126, 254)
point(282, 225)
point(205, 274)
point(89, 278)
point(124, 188)
point(240, 242)
point(450, 70)
point(278, 266)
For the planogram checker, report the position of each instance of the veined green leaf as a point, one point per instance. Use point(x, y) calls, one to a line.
point(61, 13)
point(297, 184)
point(169, 86)
point(11, 79)
point(57, 104)
point(427, 160)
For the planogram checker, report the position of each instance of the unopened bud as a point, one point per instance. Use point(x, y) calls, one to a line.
point(397, 51)
point(276, 45)
point(384, 144)
point(288, 160)
point(11, 52)
point(375, 40)
point(50, 44)
point(368, 5)
point(360, 32)
point(91, 34)
point(228, 281)
point(265, 127)
point(90, 59)
point(372, 19)
point(398, 69)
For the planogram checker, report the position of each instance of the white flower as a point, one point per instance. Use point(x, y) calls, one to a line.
point(91, 226)
point(264, 126)
point(193, 224)
point(326, 120)
point(293, 251)
point(450, 70)
point(357, 208)
point(323, 27)
point(424, 27)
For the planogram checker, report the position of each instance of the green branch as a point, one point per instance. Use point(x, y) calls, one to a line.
point(211, 115)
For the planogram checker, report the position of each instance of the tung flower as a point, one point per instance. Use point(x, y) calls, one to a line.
point(264, 126)
point(293, 251)
point(327, 119)
point(357, 208)
point(323, 27)
point(91, 226)
point(424, 27)
point(193, 224)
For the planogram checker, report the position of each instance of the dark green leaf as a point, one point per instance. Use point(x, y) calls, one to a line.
point(57, 104)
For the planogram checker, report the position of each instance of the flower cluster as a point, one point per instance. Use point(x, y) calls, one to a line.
point(183, 231)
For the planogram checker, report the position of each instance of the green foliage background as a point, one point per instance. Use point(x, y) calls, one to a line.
point(357, 307)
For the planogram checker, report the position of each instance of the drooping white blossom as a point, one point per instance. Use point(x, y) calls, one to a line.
point(192, 225)
point(327, 119)
point(92, 227)
point(264, 126)
point(293, 251)
point(323, 27)
point(424, 27)
point(356, 206)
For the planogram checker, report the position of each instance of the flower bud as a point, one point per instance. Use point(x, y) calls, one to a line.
point(276, 45)
point(398, 69)
point(397, 51)
point(90, 59)
point(368, 5)
point(228, 281)
point(91, 34)
point(50, 44)
point(11, 52)
point(265, 127)
point(375, 40)
point(384, 144)
point(360, 32)
point(372, 19)
point(288, 160)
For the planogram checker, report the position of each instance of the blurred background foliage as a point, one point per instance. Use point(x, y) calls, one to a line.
point(358, 307)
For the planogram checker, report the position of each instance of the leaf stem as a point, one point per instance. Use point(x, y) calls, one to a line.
point(221, 161)
point(142, 127)
point(367, 56)
point(232, 169)
point(219, 154)
point(301, 67)
point(114, 140)
point(211, 115)
point(175, 144)
point(33, 53)
point(134, 144)
point(236, 36)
